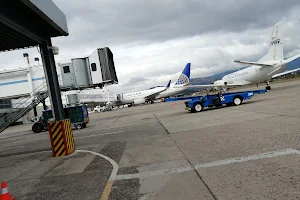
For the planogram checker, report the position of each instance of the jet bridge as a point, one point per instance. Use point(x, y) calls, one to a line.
point(29, 23)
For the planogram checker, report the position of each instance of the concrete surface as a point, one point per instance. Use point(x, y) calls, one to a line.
point(165, 152)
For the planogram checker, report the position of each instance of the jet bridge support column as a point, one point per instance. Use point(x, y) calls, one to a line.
point(35, 111)
point(52, 80)
point(44, 105)
point(60, 130)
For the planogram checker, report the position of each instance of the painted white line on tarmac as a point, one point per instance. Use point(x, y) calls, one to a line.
point(29, 140)
point(88, 136)
point(11, 148)
point(112, 177)
point(154, 173)
point(271, 154)
point(81, 137)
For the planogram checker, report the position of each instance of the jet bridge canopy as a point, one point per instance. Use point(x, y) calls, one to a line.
point(28, 23)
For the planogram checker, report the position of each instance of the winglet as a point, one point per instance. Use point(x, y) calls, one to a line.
point(168, 86)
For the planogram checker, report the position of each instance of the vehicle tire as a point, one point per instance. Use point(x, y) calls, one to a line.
point(237, 101)
point(197, 107)
point(37, 127)
point(95, 111)
point(268, 87)
point(78, 126)
point(83, 125)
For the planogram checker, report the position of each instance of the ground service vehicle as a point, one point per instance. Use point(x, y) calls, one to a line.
point(77, 114)
point(234, 98)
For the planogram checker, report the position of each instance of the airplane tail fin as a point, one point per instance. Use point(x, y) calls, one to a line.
point(184, 77)
point(276, 47)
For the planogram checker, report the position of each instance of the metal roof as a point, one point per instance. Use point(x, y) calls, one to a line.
point(27, 23)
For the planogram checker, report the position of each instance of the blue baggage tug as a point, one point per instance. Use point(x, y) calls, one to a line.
point(216, 100)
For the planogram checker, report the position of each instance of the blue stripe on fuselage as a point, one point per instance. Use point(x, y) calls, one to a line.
point(20, 81)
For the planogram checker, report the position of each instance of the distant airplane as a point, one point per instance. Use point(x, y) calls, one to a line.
point(157, 92)
point(270, 66)
point(140, 96)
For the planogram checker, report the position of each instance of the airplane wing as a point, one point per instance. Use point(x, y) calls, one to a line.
point(286, 72)
point(292, 58)
point(253, 63)
point(212, 86)
point(153, 95)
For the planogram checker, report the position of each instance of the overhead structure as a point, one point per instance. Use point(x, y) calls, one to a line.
point(28, 23)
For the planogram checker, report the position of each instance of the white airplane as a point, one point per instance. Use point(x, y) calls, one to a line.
point(270, 66)
point(156, 92)
point(140, 96)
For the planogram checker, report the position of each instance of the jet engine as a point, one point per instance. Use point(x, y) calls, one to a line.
point(220, 83)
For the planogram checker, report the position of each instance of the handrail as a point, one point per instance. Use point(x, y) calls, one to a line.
point(24, 106)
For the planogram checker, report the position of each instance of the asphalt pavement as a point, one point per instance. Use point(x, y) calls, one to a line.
point(162, 151)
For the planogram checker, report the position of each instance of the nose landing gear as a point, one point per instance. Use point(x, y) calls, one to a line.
point(268, 87)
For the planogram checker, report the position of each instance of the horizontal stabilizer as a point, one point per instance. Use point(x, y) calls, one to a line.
point(286, 72)
point(252, 63)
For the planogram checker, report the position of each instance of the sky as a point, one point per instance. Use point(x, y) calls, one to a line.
point(153, 40)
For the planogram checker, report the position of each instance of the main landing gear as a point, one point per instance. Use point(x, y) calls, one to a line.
point(268, 87)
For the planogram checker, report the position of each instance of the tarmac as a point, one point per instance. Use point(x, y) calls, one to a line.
point(161, 151)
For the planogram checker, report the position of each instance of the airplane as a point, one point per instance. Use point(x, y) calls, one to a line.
point(270, 66)
point(180, 85)
point(157, 92)
point(140, 97)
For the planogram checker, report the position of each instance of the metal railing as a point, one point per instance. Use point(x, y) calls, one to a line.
point(23, 106)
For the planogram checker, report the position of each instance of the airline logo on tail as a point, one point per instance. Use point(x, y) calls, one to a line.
point(184, 77)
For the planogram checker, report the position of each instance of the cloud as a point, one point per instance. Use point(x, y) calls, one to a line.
point(153, 40)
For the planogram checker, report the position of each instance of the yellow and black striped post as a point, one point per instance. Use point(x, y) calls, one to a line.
point(61, 136)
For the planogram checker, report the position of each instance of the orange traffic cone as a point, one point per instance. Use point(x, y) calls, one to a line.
point(4, 193)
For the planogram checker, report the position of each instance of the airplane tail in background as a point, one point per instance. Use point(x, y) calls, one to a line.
point(276, 47)
point(184, 77)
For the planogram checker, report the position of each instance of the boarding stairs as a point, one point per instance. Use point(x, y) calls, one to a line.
point(22, 107)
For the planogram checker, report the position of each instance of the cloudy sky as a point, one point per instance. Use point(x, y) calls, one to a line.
point(153, 40)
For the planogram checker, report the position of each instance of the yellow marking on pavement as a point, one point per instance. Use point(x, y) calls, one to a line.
point(107, 190)
point(112, 177)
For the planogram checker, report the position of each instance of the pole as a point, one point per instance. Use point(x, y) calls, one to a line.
point(29, 78)
point(108, 96)
point(35, 111)
point(52, 80)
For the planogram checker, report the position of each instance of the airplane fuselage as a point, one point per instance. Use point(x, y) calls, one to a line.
point(129, 98)
point(254, 74)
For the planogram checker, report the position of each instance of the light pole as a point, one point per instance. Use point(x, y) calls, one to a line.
point(108, 96)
